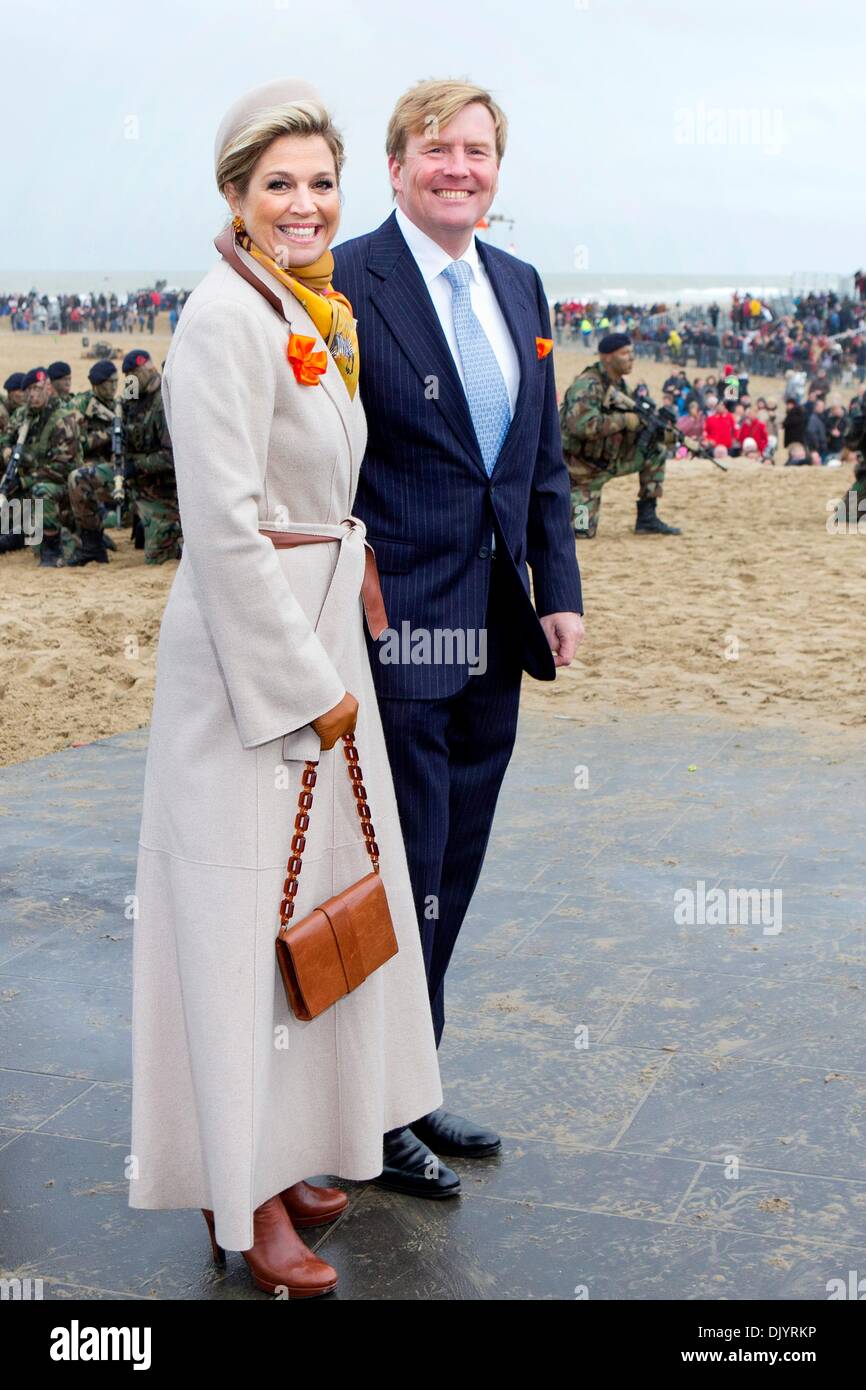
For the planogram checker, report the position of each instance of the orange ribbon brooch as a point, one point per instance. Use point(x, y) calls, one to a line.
point(543, 346)
point(307, 364)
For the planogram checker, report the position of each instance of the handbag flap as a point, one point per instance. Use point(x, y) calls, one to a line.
point(340, 943)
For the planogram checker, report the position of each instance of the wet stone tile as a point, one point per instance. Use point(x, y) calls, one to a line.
point(800, 1119)
point(779, 1204)
point(65, 1028)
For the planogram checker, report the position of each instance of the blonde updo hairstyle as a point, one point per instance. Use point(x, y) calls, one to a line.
point(245, 148)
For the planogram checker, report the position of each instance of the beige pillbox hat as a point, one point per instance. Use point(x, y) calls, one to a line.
point(285, 91)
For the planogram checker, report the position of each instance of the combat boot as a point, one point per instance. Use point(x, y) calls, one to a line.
point(91, 547)
point(137, 532)
point(51, 556)
point(13, 540)
point(651, 524)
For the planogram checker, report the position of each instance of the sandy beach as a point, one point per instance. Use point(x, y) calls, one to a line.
point(753, 615)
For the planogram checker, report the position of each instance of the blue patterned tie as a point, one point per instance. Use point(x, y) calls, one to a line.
point(485, 385)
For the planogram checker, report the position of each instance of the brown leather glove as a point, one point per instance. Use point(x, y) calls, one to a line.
point(337, 721)
point(632, 421)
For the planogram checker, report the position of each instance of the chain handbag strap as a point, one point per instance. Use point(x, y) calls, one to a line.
point(302, 823)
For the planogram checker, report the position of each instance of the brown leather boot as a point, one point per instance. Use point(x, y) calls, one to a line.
point(278, 1258)
point(313, 1206)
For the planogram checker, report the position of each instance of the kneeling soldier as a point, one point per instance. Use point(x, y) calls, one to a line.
point(150, 460)
point(601, 440)
point(53, 450)
point(92, 487)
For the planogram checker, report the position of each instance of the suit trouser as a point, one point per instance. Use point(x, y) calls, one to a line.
point(448, 758)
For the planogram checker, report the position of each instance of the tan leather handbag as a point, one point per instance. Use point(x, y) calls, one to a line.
point(339, 944)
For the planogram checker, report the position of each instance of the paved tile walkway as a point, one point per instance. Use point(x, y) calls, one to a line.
point(680, 1082)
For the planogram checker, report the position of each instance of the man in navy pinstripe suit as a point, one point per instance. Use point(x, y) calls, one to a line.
point(462, 488)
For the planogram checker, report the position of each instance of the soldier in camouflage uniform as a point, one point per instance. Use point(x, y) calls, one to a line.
point(11, 397)
point(91, 487)
point(60, 376)
point(600, 441)
point(53, 449)
point(16, 408)
point(149, 467)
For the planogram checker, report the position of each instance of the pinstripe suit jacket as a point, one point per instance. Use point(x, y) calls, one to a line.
point(423, 493)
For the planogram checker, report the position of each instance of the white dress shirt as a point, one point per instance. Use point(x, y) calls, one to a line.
point(431, 261)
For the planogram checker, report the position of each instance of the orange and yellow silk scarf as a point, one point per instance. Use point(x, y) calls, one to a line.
point(330, 311)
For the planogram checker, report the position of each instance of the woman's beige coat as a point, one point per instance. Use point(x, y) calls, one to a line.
point(234, 1098)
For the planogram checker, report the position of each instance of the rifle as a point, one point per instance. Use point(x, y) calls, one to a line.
point(10, 477)
point(118, 451)
point(657, 421)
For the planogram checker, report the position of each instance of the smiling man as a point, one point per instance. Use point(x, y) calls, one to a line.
point(463, 486)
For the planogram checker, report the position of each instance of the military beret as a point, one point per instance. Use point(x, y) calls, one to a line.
point(58, 369)
point(35, 375)
point(136, 358)
point(101, 371)
point(612, 342)
point(15, 382)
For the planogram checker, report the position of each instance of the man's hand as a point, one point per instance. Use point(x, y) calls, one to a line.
point(614, 399)
point(564, 632)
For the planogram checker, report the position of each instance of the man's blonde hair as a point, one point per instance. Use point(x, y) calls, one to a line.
point(430, 105)
point(242, 154)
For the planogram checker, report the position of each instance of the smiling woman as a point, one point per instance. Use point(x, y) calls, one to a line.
point(289, 199)
point(291, 215)
point(262, 665)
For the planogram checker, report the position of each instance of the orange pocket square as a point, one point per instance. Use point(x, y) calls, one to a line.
point(307, 364)
point(543, 346)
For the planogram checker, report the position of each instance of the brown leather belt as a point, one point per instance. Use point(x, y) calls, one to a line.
point(371, 591)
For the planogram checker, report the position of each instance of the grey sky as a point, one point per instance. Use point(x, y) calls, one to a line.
point(628, 123)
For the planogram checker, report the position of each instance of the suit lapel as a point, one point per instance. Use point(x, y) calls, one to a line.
point(403, 300)
point(520, 318)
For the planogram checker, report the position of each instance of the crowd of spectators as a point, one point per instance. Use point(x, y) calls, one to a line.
point(719, 411)
point(822, 334)
point(136, 312)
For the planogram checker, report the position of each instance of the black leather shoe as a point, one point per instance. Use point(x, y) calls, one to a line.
point(451, 1134)
point(409, 1166)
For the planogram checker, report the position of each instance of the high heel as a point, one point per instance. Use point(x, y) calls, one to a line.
point(313, 1206)
point(219, 1255)
point(278, 1259)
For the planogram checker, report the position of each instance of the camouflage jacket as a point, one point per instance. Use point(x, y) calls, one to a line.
point(95, 422)
point(592, 430)
point(148, 443)
point(70, 402)
point(8, 440)
point(9, 432)
point(53, 445)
